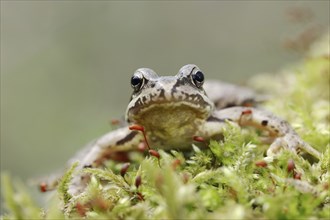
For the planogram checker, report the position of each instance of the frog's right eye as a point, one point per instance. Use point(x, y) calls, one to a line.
point(137, 81)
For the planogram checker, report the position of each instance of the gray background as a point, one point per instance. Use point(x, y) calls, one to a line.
point(66, 65)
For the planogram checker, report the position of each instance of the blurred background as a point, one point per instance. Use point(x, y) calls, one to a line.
point(66, 65)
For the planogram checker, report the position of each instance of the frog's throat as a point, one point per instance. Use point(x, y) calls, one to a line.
point(171, 125)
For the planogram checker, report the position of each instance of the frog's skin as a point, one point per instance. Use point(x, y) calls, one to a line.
point(174, 109)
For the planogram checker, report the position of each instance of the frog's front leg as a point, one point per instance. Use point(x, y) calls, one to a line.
point(120, 140)
point(279, 129)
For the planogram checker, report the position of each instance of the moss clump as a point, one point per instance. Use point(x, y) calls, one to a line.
point(229, 180)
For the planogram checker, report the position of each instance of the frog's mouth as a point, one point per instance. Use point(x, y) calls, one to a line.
point(175, 113)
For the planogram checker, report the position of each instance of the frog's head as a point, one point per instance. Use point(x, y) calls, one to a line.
point(168, 101)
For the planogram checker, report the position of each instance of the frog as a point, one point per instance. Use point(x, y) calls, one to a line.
point(173, 110)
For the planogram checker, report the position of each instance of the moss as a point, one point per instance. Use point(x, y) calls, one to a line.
point(229, 180)
point(20, 204)
point(63, 186)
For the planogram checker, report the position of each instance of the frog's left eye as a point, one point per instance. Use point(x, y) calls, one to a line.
point(198, 78)
point(137, 81)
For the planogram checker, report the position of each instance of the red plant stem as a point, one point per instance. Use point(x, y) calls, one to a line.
point(145, 139)
point(140, 128)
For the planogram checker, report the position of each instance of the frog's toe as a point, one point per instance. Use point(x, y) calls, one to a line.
point(288, 142)
point(276, 146)
point(292, 143)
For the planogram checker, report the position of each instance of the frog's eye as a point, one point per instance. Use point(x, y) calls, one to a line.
point(137, 81)
point(198, 78)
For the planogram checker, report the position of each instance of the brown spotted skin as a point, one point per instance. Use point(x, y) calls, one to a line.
point(174, 110)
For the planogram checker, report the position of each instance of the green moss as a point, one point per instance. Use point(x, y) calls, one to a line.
point(63, 186)
point(20, 205)
point(229, 180)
